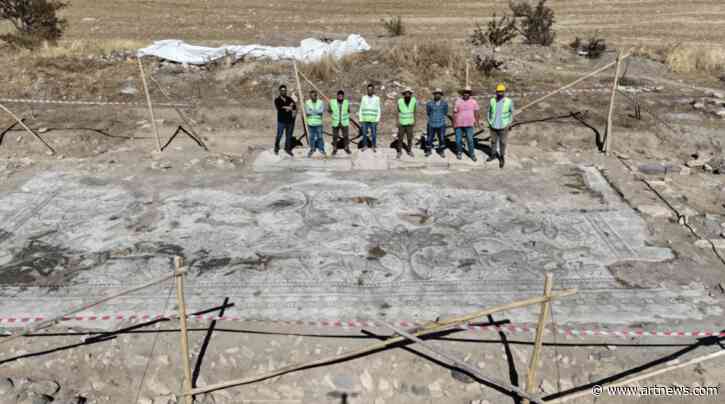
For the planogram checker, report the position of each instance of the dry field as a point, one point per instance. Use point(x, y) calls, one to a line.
point(635, 22)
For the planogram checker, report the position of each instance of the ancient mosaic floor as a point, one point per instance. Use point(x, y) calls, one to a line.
point(328, 246)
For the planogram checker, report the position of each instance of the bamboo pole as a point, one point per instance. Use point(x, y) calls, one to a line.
point(301, 101)
point(326, 97)
point(27, 129)
point(610, 128)
point(184, 332)
point(183, 117)
point(464, 366)
point(55, 319)
point(151, 107)
point(427, 329)
point(539, 339)
point(570, 85)
point(588, 392)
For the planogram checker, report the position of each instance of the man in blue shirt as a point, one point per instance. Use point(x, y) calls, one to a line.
point(437, 110)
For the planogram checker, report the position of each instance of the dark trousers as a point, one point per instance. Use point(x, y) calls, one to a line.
point(345, 137)
point(499, 138)
point(287, 129)
point(434, 133)
point(405, 131)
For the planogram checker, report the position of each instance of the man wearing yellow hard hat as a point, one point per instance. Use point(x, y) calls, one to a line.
point(500, 116)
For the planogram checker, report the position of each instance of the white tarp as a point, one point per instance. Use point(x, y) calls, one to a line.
point(310, 50)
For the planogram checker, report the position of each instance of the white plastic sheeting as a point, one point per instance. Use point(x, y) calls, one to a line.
point(310, 50)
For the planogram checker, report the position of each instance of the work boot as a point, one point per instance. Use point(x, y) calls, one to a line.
point(491, 157)
point(459, 156)
point(375, 149)
point(347, 150)
point(442, 153)
point(398, 156)
point(473, 158)
point(276, 150)
point(309, 155)
point(288, 151)
point(427, 153)
point(501, 162)
point(410, 153)
point(334, 151)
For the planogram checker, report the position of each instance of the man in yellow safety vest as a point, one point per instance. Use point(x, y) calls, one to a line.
point(500, 116)
point(314, 108)
point(340, 114)
point(406, 114)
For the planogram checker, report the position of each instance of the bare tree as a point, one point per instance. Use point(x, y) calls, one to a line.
point(35, 21)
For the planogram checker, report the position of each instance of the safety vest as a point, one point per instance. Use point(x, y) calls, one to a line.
point(407, 112)
point(506, 115)
point(370, 109)
point(314, 120)
point(338, 116)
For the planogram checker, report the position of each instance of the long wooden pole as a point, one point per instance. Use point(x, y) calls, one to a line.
point(301, 102)
point(429, 328)
point(27, 129)
point(632, 381)
point(468, 82)
point(570, 85)
point(539, 339)
point(325, 97)
point(151, 107)
point(47, 323)
point(184, 332)
point(615, 84)
point(464, 366)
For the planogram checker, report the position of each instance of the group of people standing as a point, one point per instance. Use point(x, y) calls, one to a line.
point(466, 120)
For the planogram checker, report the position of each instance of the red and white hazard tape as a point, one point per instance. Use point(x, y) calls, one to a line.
point(357, 324)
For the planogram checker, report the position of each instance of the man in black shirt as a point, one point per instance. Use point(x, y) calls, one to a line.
point(286, 114)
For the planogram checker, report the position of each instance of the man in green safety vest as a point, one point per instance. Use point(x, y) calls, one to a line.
point(369, 115)
point(406, 114)
point(500, 116)
point(314, 108)
point(340, 114)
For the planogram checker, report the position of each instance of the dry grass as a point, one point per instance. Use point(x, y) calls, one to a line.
point(687, 57)
point(696, 58)
point(324, 70)
point(82, 48)
point(428, 60)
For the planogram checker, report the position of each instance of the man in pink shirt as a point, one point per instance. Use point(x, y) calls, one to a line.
point(465, 118)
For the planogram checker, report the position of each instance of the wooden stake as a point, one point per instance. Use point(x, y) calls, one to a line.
point(610, 128)
point(184, 333)
point(301, 101)
point(538, 341)
point(570, 85)
point(27, 129)
point(464, 366)
point(468, 82)
point(151, 107)
point(429, 328)
point(71, 312)
point(634, 380)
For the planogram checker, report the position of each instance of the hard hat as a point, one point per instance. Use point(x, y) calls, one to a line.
point(408, 90)
point(467, 89)
point(438, 91)
point(500, 87)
